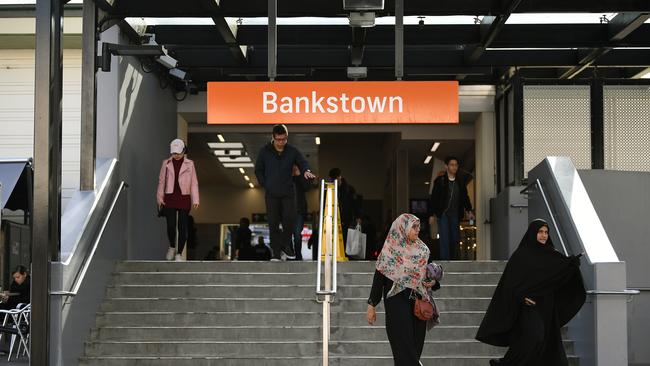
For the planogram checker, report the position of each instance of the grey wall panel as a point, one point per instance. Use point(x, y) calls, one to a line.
point(623, 205)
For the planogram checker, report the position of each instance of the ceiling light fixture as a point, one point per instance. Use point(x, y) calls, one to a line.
point(251, 185)
point(225, 145)
point(220, 137)
point(428, 159)
point(241, 170)
point(247, 178)
point(435, 146)
point(317, 140)
point(238, 165)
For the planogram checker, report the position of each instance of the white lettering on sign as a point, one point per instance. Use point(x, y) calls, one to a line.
point(332, 104)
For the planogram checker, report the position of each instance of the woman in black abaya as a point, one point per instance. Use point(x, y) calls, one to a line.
point(539, 292)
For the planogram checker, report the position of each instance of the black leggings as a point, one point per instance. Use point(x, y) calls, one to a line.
point(170, 215)
point(406, 333)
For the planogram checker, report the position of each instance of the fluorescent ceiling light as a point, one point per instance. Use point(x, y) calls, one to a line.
point(225, 145)
point(241, 170)
point(228, 152)
point(428, 159)
point(247, 178)
point(238, 165)
point(426, 183)
point(317, 140)
point(220, 137)
point(251, 185)
point(226, 159)
point(435, 146)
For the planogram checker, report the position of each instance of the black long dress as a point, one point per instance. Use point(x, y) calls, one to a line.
point(406, 333)
point(554, 282)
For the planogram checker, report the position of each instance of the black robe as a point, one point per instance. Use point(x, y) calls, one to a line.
point(536, 271)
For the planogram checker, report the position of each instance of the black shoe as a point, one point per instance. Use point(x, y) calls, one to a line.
point(289, 252)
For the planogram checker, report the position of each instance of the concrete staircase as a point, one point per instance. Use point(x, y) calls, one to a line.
point(263, 313)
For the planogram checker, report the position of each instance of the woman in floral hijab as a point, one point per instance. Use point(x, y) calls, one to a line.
point(401, 276)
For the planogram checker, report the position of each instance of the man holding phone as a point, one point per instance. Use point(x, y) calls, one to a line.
point(274, 171)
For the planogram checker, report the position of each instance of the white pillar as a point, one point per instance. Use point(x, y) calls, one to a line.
point(485, 136)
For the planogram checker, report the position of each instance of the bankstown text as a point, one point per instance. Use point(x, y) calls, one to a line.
point(330, 104)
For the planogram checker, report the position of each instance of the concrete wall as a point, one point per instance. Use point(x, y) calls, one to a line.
point(508, 224)
point(136, 120)
point(623, 205)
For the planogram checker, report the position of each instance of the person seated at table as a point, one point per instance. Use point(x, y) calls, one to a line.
point(18, 291)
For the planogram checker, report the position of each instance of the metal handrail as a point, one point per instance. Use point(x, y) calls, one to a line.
point(82, 273)
point(537, 183)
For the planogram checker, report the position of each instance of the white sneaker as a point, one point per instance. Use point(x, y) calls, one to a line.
point(179, 258)
point(170, 253)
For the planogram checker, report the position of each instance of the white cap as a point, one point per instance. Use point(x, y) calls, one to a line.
point(177, 146)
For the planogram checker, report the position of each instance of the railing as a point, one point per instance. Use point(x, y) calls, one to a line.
point(98, 236)
point(327, 256)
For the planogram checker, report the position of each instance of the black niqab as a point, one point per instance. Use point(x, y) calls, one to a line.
point(539, 272)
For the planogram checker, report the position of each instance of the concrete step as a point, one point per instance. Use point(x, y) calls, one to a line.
point(444, 304)
point(280, 291)
point(304, 266)
point(452, 360)
point(278, 278)
point(283, 348)
point(197, 319)
point(264, 333)
point(268, 304)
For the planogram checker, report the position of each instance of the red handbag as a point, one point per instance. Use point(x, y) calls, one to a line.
point(423, 309)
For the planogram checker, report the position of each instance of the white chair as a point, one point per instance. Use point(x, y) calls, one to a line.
point(16, 323)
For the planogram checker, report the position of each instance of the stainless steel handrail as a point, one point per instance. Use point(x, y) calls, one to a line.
point(335, 235)
point(538, 184)
point(82, 273)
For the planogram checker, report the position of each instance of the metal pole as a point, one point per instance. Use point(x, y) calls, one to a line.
point(272, 52)
point(399, 39)
point(46, 224)
point(88, 151)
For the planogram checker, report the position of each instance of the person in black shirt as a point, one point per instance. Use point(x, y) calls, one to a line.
point(242, 242)
point(273, 169)
point(261, 252)
point(302, 185)
point(18, 291)
point(449, 201)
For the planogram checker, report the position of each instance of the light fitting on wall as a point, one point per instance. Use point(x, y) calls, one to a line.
point(427, 160)
point(435, 146)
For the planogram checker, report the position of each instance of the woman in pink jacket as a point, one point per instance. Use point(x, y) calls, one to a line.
point(178, 192)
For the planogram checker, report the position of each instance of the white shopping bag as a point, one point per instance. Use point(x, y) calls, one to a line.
point(355, 245)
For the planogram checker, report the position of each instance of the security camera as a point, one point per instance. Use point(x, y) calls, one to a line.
point(178, 74)
point(166, 60)
point(357, 72)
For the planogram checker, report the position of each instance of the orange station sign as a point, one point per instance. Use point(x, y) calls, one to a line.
point(358, 102)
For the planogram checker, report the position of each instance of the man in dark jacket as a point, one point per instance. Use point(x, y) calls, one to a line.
point(449, 201)
point(273, 169)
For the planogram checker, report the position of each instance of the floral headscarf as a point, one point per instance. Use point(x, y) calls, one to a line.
point(404, 262)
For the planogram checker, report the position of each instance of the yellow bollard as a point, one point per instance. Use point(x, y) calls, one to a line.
point(329, 205)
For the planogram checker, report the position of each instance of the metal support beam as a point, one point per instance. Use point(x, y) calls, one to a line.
point(46, 226)
point(490, 28)
point(358, 40)
point(618, 28)
point(272, 52)
point(227, 31)
point(88, 151)
point(399, 39)
point(597, 125)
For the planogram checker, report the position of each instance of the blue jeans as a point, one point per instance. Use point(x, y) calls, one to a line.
point(297, 236)
point(449, 230)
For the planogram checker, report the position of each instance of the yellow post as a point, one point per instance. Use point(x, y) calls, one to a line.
point(329, 207)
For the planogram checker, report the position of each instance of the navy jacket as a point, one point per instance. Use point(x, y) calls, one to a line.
point(440, 196)
point(274, 170)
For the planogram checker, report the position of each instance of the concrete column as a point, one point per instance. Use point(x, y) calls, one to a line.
point(402, 182)
point(485, 136)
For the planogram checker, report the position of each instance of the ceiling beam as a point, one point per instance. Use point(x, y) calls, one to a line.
point(490, 27)
point(227, 31)
point(618, 28)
